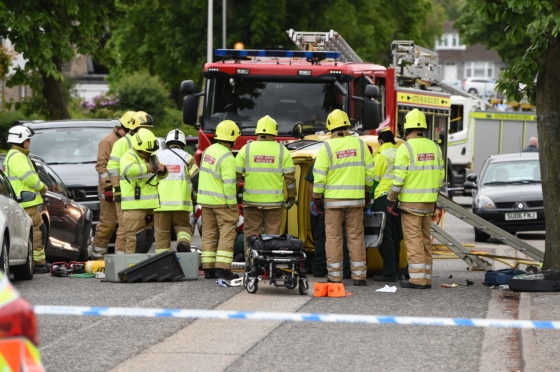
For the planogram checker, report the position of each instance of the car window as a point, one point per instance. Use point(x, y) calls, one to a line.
point(512, 172)
point(51, 179)
point(5, 187)
point(68, 145)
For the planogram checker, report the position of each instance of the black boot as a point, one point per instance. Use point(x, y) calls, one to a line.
point(41, 269)
point(226, 274)
point(360, 282)
point(210, 274)
point(183, 247)
point(407, 284)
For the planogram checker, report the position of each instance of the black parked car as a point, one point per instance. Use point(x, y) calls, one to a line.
point(69, 224)
point(509, 193)
point(70, 148)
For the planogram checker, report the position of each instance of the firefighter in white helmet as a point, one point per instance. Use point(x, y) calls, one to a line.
point(23, 176)
point(343, 176)
point(175, 191)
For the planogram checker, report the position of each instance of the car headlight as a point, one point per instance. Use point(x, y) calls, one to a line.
point(484, 202)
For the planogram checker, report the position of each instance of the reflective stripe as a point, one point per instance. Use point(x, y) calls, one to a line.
point(369, 179)
point(27, 174)
point(37, 185)
point(335, 273)
point(187, 203)
point(344, 187)
point(377, 178)
point(358, 273)
point(177, 177)
point(402, 167)
point(345, 165)
point(369, 166)
point(104, 175)
point(142, 176)
point(232, 180)
point(181, 235)
point(142, 197)
point(291, 186)
point(265, 192)
point(13, 178)
point(113, 172)
point(319, 185)
point(428, 267)
point(264, 170)
point(207, 253)
point(290, 170)
point(227, 154)
point(114, 158)
point(319, 171)
point(358, 263)
point(396, 188)
point(239, 169)
point(417, 275)
point(416, 266)
point(428, 276)
point(219, 195)
point(420, 191)
point(264, 204)
point(335, 265)
point(281, 159)
point(224, 253)
point(422, 211)
point(410, 152)
point(346, 203)
point(329, 151)
point(207, 170)
point(396, 178)
point(425, 167)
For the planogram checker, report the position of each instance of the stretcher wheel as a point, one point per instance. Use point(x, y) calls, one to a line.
point(303, 287)
point(252, 285)
point(292, 283)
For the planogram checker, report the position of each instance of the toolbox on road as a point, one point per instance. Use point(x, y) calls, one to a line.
point(114, 263)
point(163, 267)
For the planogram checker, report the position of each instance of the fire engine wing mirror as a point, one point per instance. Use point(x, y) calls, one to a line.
point(372, 91)
point(190, 108)
point(187, 87)
point(371, 115)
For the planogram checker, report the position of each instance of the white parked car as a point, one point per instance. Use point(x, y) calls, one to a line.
point(480, 87)
point(16, 233)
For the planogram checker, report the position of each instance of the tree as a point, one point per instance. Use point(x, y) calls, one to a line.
point(168, 38)
point(49, 34)
point(526, 35)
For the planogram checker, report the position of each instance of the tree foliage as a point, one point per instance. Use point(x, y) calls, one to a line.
point(49, 34)
point(169, 38)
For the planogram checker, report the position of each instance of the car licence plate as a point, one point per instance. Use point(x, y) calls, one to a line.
point(521, 216)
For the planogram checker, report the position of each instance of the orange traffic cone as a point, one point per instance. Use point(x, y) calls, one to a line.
point(336, 290)
point(320, 289)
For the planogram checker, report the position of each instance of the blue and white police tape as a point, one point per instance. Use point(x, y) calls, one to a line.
point(295, 317)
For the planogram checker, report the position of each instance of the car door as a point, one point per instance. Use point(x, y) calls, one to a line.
point(17, 220)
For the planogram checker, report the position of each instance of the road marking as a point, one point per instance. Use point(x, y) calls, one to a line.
point(295, 317)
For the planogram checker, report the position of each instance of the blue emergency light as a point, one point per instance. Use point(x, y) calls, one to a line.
point(233, 53)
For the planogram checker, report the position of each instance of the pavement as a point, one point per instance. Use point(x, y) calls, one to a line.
point(139, 344)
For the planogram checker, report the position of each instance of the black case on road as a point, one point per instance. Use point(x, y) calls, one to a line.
point(163, 267)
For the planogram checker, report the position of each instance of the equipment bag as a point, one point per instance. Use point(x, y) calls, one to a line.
point(500, 277)
point(267, 242)
point(546, 281)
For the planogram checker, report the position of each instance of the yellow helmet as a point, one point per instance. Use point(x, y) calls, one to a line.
point(227, 131)
point(146, 120)
point(129, 120)
point(145, 140)
point(267, 125)
point(415, 119)
point(337, 119)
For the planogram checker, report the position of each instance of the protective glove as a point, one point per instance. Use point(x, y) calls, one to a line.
point(289, 203)
point(317, 207)
point(117, 194)
point(44, 190)
point(108, 194)
point(392, 208)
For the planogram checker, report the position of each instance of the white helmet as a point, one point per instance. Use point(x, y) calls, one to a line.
point(19, 134)
point(176, 135)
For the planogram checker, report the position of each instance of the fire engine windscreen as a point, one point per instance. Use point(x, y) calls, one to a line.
point(245, 101)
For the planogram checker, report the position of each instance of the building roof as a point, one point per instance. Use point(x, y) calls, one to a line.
point(476, 52)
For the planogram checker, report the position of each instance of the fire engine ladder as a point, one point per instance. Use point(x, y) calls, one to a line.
point(324, 41)
point(485, 226)
point(415, 61)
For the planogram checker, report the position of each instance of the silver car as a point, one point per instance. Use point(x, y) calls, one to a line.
point(16, 232)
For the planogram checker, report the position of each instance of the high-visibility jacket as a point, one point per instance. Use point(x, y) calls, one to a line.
point(103, 153)
point(217, 179)
point(384, 160)
point(22, 175)
point(343, 169)
point(264, 165)
point(175, 190)
point(137, 172)
point(419, 171)
point(117, 151)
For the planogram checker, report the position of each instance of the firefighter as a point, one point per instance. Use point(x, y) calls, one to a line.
point(342, 176)
point(265, 166)
point(419, 174)
point(175, 194)
point(217, 196)
point(131, 121)
point(140, 173)
point(22, 174)
point(382, 180)
point(107, 208)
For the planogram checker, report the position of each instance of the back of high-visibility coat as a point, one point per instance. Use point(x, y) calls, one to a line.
point(119, 148)
point(419, 171)
point(175, 190)
point(264, 165)
point(384, 160)
point(343, 169)
point(138, 183)
point(22, 176)
point(217, 179)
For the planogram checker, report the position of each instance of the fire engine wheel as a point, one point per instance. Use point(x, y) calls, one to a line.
point(252, 285)
point(303, 287)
